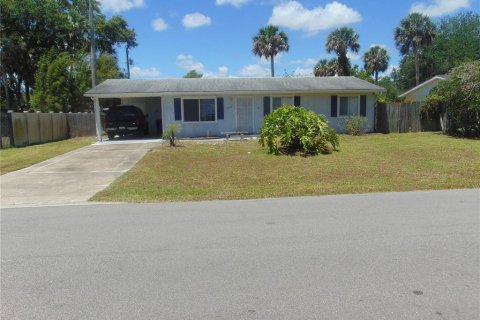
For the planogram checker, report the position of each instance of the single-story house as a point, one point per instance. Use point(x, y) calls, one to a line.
point(420, 92)
point(208, 107)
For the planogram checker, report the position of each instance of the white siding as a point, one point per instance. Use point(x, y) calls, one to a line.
point(319, 103)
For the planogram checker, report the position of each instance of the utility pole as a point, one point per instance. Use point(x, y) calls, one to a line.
point(96, 103)
point(92, 45)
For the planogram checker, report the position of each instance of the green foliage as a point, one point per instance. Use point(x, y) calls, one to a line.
point(376, 60)
point(355, 125)
point(461, 97)
point(269, 42)
point(107, 68)
point(340, 41)
point(392, 93)
point(193, 74)
point(31, 28)
point(414, 33)
point(290, 130)
point(61, 82)
point(172, 130)
point(457, 41)
point(434, 103)
point(326, 68)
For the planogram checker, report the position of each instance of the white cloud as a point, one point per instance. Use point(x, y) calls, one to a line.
point(354, 56)
point(195, 20)
point(303, 72)
point(295, 16)
point(137, 72)
point(254, 70)
point(159, 24)
point(222, 72)
point(187, 63)
point(306, 62)
point(121, 5)
point(436, 8)
point(235, 3)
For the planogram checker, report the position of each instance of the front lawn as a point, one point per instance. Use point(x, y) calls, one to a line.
point(243, 170)
point(12, 159)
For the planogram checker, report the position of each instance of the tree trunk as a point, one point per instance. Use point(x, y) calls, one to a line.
point(7, 91)
point(417, 66)
point(19, 93)
point(272, 66)
point(128, 63)
point(27, 92)
point(376, 76)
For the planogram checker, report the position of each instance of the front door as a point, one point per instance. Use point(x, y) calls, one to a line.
point(245, 114)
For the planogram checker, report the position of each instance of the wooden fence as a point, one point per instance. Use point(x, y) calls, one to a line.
point(35, 128)
point(403, 117)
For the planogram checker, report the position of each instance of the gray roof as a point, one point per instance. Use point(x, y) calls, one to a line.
point(125, 87)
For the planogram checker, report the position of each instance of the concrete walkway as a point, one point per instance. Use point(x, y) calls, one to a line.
point(70, 178)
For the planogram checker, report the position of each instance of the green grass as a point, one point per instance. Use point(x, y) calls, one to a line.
point(242, 170)
point(18, 158)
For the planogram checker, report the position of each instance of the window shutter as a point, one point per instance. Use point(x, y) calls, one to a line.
point(363, 106)
point(177, 103)
point(220, 112)
point(333, 106)
point(296, 101)
point(266, 105)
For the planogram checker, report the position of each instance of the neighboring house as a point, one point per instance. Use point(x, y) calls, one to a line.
point(208, 107)
point(420, 92)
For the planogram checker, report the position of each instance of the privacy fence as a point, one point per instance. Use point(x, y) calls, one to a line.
point(22, 129)
point(404, 117)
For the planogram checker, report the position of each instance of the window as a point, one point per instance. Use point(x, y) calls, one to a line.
point(348, 106)
point(199, 110)
point(277, 102)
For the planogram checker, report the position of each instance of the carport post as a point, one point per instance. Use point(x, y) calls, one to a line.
point(98, 122)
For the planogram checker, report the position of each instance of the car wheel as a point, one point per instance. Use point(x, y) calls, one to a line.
point(111, 136)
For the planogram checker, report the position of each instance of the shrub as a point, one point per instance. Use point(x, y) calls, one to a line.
point(460, 96)
point(289, 130)
point(172, 129)
point(355, 125)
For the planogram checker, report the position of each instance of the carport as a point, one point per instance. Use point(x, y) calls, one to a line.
point(151, 105)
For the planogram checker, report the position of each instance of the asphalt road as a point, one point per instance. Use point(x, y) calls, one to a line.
point(408, 255)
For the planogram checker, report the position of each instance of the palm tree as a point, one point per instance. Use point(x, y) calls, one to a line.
point(340, 41)
point(326, 68)
point(414, 32)
point(376, 60)
point(269, 42)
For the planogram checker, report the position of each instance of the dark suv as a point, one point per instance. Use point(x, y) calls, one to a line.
point(125, 120)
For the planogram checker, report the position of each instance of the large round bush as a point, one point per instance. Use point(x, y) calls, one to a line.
point(289, 130)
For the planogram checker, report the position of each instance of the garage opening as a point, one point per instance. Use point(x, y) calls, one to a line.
point(132, 118)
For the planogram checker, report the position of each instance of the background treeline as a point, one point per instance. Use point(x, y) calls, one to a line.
point(45, 47)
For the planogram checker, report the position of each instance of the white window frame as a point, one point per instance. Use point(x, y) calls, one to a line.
point(199, 98)
point(347, 96)
point(280, 96)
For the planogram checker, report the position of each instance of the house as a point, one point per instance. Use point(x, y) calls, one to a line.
point(420, 92)
point(208, 107)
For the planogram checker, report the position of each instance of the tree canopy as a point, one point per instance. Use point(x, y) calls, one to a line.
point(268, 43)
point(340, 41)
point(193, 74)
point(31, 29)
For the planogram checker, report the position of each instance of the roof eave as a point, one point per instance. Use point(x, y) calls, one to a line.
point(158, 94)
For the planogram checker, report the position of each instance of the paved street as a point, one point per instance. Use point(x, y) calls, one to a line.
point(72, 177)
point(411, 255)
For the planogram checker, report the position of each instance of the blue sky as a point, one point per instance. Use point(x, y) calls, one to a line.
point(215, 36)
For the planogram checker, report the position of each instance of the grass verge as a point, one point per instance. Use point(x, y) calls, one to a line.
point(12, 159)
point(243, 170)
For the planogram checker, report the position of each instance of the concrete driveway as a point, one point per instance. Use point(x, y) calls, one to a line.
point(73, 177)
